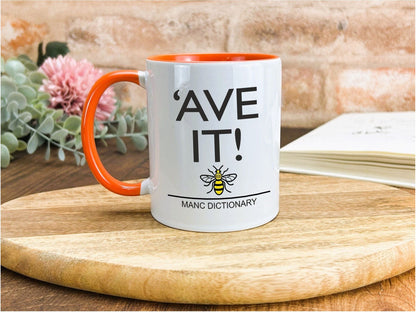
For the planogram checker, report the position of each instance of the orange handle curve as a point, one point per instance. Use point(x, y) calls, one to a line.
point(87, 133)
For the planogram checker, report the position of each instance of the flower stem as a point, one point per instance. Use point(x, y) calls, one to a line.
point(34, 130)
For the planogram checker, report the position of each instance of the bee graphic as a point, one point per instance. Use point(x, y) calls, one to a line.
point(218, 180)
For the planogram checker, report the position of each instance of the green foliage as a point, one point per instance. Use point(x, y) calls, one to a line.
point(53, 49)
point(127, 124)
point(27, 122)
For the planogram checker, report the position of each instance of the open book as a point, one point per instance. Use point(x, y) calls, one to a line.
point(377, 147)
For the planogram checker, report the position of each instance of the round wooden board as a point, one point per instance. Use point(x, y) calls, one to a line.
point(331, 235)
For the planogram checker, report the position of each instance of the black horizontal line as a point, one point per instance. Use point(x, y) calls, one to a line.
point(215, 198)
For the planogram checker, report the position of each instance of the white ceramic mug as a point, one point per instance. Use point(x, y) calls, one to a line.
point(214, 139)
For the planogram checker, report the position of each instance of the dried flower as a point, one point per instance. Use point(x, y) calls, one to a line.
point(69, 83)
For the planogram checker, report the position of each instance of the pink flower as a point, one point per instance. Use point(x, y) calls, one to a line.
point(69, 84)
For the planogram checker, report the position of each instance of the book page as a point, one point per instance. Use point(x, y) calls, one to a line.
point(384, 132)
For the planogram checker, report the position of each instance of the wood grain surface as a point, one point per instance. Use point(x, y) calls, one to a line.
point(331, 235)
point(30, 174)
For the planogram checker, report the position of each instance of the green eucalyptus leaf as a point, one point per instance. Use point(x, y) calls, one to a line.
point(35, 86)
point(30, 66)
point(41, 140)
point(121, 146)
point(60, 135)
point(19, 132)
point(144, 114)
point(113, 113)
point(24, 58)
point(32, 144)
point(33, 111)
point(82, 163)
point(138, 115)
point(21, 146)
point(57, 114)
point(27, 62)
point(7, 86)
point(39, 106)
point(70, 143)
point(5, 156)
point(103, 132)
point(37, 77)
point(47, 125)
point(42, 96)
point(13, 67)
point(112, 128)
point(142, 124)
point(13, 123)
point(5, 115)
point(17, 97)
point(28, 92)
point(61, 154)
point(78, 142)
point(77, 159)
point(122, 125)
point(48, 151)
point(129, 120)
point(26, 129)
point(139, 141)
point(25, 116)
point(103, 142)
point(12, 107)
point(73, 124)
point(8, 139)
point(49, 111)
point(20, 79)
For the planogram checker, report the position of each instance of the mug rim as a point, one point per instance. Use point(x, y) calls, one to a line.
point(211, 57)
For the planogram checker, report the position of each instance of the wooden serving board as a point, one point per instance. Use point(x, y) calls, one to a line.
point(331, 235)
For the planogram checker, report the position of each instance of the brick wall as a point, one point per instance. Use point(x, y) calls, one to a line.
point(338, 56)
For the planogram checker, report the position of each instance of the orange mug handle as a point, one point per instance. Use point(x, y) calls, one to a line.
point(88, 140)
